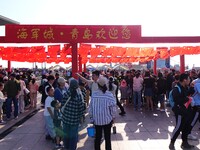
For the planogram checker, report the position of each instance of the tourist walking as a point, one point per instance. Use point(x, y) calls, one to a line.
point(161, 90)
point(91, 83)
point(149, 85)
point(33, 87)
point(2, 100)
point(137, 89)
point(21, 94)
point(183, 113)
point(12, 89)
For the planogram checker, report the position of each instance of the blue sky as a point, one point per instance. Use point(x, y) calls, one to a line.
point(157, 17)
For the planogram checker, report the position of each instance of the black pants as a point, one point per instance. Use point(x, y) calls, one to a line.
point(118, 103)
point(98, 136)
point(196, 116)
point(44, 96)
point(183, 124)
point(120, 106)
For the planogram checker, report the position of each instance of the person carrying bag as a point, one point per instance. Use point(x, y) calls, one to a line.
point(104, 103)
point(63, 107)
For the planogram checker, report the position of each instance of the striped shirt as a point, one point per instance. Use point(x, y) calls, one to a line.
point(102, 107)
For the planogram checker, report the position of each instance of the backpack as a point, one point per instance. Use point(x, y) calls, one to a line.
point(41, 89)
point(171, 99)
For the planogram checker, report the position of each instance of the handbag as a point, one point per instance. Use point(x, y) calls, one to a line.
point(26, 91)
point(114, 129)
point(91, 131)
point(62, 109)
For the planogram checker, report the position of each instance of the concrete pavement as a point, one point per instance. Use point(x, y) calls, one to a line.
point(137, 130)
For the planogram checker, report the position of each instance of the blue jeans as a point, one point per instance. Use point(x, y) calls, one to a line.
point(50, 126)
point(137, 99)
point(9, 107)
point(70, 136)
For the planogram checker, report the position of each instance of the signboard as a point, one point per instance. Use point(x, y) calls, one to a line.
point(72, 34)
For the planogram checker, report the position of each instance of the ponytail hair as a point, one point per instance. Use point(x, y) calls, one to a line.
point(103, 88)
point(110, 86)
point(137, 75)
point(33, 80)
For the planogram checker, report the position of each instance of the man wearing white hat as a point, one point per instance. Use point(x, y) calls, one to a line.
point(60, 89)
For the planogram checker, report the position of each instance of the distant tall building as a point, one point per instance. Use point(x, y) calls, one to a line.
point(161, 63)
point(167, 62)
point(149, 64)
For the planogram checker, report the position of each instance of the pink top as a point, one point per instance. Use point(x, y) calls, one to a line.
point(33, 87)
point(123, 83)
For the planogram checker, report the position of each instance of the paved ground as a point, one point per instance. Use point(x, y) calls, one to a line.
point(145, 130)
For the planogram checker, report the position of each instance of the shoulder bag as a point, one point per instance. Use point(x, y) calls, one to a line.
point(62, 109)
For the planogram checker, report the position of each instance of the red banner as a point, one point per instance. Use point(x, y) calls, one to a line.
point(72, 34)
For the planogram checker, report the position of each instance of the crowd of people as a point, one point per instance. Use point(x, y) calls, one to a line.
point(19, 89)
point(148, 91)
point(65, 101)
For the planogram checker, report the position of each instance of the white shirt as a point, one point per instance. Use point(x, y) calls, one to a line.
point(2, 99)
point(23, 86)
point(137, 84)
point(93, 85)
point(48, 104)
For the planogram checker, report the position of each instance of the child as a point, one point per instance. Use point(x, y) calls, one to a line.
point(2, 99)
point(57, 122)
point(48, 114)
